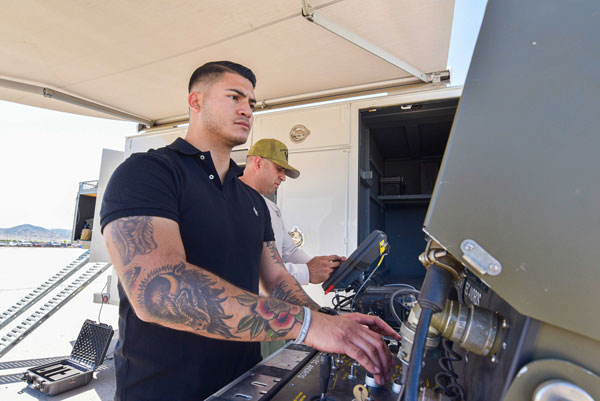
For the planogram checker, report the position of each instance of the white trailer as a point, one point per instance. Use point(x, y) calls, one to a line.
point(353, 156)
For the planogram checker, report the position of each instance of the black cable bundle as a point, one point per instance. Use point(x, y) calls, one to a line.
point(446, 380)
point(340, 301)
point(432, 299)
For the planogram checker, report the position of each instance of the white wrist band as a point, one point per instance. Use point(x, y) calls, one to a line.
point(305, 326)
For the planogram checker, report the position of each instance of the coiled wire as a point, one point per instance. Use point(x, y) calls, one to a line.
point(446, 380)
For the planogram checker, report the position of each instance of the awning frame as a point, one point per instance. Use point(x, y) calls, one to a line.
point(77, 101)
point(331, 26)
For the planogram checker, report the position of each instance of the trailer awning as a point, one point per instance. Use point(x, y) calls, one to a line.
point(135, 57)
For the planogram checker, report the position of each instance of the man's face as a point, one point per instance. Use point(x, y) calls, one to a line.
point(227, 107)
point(270, 176)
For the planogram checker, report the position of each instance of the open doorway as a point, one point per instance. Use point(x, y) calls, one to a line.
point(401, 149)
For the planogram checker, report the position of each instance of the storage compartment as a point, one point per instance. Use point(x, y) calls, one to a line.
point(315, 127)
point(77, 370)
point(401, 149)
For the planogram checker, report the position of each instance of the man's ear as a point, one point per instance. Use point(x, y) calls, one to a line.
point(195, 100)
point(258, 162)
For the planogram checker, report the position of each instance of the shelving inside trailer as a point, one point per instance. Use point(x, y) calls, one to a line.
point(400, 152)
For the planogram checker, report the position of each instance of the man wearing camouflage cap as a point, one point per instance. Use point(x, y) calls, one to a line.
point(266, 168)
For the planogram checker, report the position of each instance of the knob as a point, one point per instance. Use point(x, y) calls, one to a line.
point(396, 386)
point(352, 374)
point(324, 372)
point(370, 380)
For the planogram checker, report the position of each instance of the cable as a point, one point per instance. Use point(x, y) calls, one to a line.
point(366, 281)
point(339, 301)
point(102, 299)
point(446, 379)
point(407, 291)
point(432, 299)
point(416, 355)
point(400, 285)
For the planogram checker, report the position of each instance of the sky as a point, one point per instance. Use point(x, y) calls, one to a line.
point(44, 154)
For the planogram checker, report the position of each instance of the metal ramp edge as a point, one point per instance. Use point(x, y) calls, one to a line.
point(26, 302)
point(18, 333)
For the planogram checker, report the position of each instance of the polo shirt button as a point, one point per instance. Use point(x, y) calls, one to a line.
point(202, 157)
point(212, 177)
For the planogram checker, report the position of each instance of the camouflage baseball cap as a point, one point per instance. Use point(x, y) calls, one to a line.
point(275, 151)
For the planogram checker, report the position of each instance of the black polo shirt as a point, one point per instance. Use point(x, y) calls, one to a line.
point(223, 228)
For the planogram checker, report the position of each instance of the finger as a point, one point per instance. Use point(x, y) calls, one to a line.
point(362, 339)
point(375, 324)
point(385, 355)
point(356, 353)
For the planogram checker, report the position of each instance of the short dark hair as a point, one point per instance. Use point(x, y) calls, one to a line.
point(215, 69)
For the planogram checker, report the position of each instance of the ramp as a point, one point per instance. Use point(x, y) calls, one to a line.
point(44, 289)
point(25, 327)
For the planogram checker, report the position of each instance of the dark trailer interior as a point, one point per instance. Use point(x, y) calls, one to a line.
point(400, 152)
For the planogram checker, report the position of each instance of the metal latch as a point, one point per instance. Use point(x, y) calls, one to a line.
point(480, 259)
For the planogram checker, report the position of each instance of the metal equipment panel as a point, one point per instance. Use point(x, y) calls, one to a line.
point(519, 175)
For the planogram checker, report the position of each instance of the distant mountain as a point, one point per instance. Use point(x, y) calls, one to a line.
point(29, 232)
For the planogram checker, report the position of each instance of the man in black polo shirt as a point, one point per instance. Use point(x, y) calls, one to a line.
point(189, 241)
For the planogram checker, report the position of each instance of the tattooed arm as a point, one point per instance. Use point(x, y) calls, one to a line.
point(278, 282)
point(163, 288)
point(148, 255)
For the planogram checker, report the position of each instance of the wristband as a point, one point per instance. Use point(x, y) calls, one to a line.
point(305, 326)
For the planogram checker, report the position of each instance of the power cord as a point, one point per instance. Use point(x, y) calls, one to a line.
point(102, 303)
point(366, 281)
point(402, 291)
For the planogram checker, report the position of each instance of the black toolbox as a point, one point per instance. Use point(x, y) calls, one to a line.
point(77, 370)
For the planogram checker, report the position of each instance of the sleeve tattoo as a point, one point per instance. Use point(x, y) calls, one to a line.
point(134, 236)
point(292, 295)
point(185, 296)
point(270, 316)
point(275, 253)
point(178, 294)
point(288, 293)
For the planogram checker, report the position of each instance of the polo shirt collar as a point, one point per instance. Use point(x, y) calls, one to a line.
point(234, 169)
point(184, 147)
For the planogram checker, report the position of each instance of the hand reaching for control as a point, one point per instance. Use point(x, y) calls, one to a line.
point(321, 267)
point(356, 335)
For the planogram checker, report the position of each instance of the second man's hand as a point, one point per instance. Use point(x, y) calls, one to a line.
point(356, 335)
point(321, 267)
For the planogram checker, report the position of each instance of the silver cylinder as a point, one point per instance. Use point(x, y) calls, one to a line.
point(476, 329)
point(407, 332)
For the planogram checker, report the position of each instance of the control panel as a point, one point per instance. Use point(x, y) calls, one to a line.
point(300, 373)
